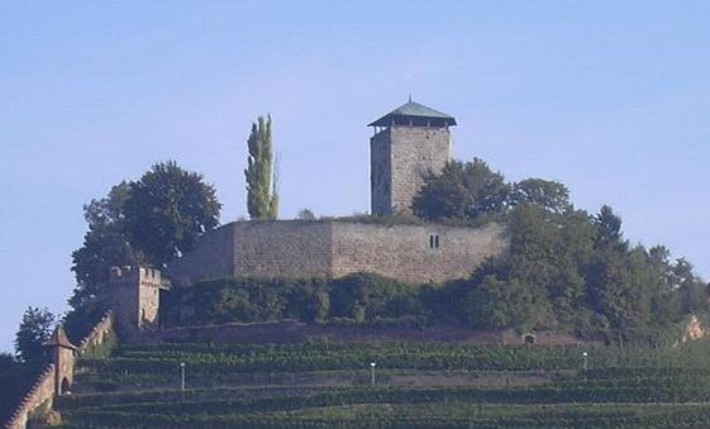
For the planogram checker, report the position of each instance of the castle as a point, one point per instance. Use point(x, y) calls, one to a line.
point(408, 143)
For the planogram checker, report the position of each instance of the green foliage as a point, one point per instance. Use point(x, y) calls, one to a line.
point(149, 221)
point(105, 245)
point(571, 271)
point(463, 191)
point(306, 214)
point(262, 195)
point(167, 210)
point(366, 297)
point(35, 329)
point(548, 195)
point(362, 298)
point(247, 300)
point(564, 270)
point(622, 388)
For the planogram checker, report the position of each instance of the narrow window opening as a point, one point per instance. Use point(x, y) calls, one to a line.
point(436, 241)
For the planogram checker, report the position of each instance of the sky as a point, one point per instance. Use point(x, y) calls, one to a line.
point(611, 98)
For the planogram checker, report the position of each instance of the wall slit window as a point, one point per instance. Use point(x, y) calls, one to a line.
point(433, 241)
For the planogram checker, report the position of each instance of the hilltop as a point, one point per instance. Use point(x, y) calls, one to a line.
point(494, 303)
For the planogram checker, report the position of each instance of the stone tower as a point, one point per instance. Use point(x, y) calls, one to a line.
point(62, 355)
point(135, 298)
point(409, 143)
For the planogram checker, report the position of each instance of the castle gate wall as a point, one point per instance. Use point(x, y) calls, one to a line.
point(413, 253)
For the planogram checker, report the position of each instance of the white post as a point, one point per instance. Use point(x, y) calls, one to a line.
point(182, 376)
point(372, 368)
point(584, 355)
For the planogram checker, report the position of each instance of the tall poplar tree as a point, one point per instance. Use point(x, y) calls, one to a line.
point(262, 196)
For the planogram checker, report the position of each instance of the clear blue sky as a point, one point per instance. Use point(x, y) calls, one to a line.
point(611, 98)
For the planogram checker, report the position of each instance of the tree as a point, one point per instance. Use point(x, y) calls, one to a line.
point(105, 244)
point(546, 194)
point(35, 330)
point(462, 191)
point(262, 195)
point(306, 214)
point(609, 234)
point(145, 222)
point(167, 210)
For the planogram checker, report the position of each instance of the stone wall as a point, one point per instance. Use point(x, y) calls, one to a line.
point(43, 390)
point(292, 332)
point(101, 334)
point(213, 258)
point(400, 158)
point(289, 249)
point(135, 296)
point(304, 249)
point(413, 253)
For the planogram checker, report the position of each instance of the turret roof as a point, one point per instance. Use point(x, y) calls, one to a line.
point(59, 339)
point(415, 112)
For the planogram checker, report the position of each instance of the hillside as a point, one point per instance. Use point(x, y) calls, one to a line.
point(417, 385)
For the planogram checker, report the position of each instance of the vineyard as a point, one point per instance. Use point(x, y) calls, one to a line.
point(411, 385)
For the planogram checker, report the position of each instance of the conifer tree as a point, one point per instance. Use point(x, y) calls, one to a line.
point(262, 196)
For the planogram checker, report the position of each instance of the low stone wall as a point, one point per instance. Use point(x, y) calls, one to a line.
point(43, 389)
point(289, 332)
point(100, 335)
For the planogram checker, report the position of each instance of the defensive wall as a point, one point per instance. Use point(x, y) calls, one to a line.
point(294, 332)
point(44, 389)
point(334, 248)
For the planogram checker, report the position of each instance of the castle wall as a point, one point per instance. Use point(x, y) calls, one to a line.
point(41, 392)
point(289, 249)
point(304, 249)
point(400, 158)
point(45, 386)
point(213, 258)
point(413, 253)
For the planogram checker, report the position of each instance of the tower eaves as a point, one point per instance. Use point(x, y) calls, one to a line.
point(412, 113)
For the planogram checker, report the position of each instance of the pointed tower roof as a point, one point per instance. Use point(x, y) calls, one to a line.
point(412, 113)
point(59, 339)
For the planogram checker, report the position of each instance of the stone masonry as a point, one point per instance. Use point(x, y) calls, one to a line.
point(135, 297)
point(400, 158)
point(331, 249)
point(410, 143)
point(58, 375)
point(413, 253)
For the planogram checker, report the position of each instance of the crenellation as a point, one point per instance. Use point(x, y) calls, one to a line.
point(135, 297)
